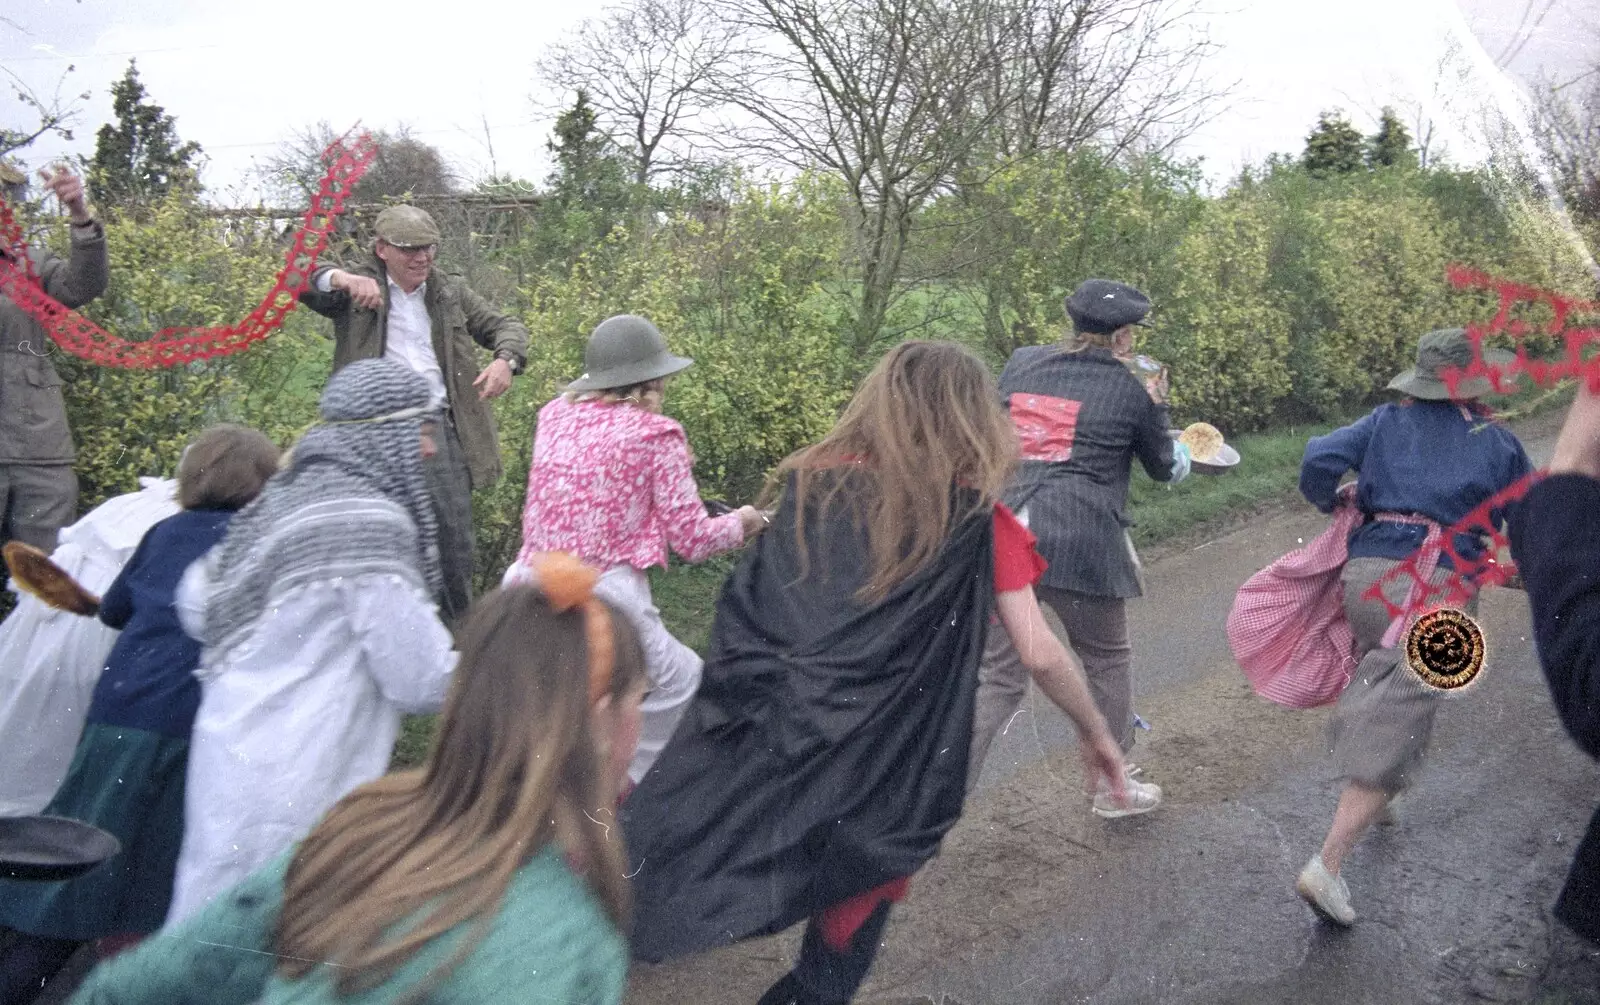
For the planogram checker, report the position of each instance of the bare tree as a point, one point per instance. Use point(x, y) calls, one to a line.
point(885, 94)
point(1568, 130)
point(906, 100)
point(52, 114)
point(645, 65)
point(404, 166)
point(1101, 78)
point(1116, 74)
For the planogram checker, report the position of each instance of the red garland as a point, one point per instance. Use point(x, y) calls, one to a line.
point(1469, 574)
point(175, 346)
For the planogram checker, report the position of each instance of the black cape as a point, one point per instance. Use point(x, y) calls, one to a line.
point(826, 751)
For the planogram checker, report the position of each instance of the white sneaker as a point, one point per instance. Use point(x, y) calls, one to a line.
point(1142, 797)
point(1325, 892)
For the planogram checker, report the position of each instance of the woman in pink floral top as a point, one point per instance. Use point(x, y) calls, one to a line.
point(611, 482)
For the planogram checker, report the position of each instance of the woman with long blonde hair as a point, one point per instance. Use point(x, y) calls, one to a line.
point(826, 754)
point(494, 873)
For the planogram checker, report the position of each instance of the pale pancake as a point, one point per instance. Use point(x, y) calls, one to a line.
point(1204, 442)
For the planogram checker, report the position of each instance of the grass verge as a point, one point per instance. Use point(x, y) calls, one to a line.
point(1268, 470)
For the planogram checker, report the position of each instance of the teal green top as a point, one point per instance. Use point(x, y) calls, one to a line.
point(550, 942)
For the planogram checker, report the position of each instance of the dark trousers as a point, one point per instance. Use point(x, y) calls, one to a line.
point(36, 501)
point(27, 962)
point(824, 977)
point(450, 486)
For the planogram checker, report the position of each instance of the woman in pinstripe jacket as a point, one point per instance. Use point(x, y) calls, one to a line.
point(1082, 418)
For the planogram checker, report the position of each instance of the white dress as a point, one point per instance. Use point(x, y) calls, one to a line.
point(50, 660)
point(296, 715)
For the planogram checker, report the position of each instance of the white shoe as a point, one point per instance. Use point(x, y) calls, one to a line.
point(1141, 797)
point(1325, 892)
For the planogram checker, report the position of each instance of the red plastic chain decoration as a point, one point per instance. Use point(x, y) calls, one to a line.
point(1541, 373)
point(1467, 575)
point(174, 346)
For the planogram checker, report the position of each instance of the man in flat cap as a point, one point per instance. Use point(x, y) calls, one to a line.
point(38, 488)
point(398, 306)
point(1082, 417)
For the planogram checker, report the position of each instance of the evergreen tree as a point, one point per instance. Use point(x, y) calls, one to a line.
point(1334, 146)
point(589, 190)
point(590, 170)
point(138, 159)
point(1390, 146)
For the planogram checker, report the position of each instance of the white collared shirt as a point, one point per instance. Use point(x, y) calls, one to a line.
point(409, 337)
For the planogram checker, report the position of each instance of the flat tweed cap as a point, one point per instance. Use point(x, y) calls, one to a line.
point(407, 227)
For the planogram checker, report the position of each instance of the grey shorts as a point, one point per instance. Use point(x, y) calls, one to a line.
point(1380, 729)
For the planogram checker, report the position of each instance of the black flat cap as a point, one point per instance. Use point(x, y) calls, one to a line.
point(1101, 306)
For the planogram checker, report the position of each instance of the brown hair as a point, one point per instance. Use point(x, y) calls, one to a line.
point(513, 766)
point(225, 467)
point(925, 421)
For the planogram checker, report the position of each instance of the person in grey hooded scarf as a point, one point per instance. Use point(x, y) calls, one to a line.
point(319, 629)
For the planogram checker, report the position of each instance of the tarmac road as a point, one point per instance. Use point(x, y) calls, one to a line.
point(1034, 900)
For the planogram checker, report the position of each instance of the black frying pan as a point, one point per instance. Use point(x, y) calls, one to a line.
point(51, 848)
point(716, 507)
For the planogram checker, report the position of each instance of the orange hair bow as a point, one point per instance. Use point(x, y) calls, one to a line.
point(568, 583)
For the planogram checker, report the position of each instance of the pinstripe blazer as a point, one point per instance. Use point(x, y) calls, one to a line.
point(1082, 418)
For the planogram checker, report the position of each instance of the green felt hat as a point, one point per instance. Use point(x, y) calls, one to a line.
point(1437, 352)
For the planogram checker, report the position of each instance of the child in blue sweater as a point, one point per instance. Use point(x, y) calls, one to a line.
point(127, 775)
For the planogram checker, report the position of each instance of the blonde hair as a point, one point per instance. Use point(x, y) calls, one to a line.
point(925, 423)
point(513, 766)
point(1083, 340)
point(649, 395)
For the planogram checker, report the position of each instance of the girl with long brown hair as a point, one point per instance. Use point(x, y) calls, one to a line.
point(494, 873)
point(826, 753)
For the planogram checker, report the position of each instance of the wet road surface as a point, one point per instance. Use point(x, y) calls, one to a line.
point(1034, 900)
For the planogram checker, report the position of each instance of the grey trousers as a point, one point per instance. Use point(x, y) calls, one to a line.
point(450, 486)
point(1096, 628)
point(36, 501)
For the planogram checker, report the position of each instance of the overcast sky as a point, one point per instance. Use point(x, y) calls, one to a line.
point(241, 76)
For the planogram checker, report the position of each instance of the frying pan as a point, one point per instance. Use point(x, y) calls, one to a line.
point(1227, 459)
point(51, 848)
point(32, 570)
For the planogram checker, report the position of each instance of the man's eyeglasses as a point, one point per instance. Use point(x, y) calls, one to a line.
point(411, 251)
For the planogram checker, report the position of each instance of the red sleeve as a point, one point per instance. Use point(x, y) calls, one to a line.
point(1017, 563)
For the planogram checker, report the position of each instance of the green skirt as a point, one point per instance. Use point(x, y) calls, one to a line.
point(129, 782)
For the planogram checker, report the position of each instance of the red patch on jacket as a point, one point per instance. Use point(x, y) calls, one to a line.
point(1046, 425)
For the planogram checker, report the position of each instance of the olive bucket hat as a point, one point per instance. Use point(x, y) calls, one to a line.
point(1437, 352)
point(623, 351)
